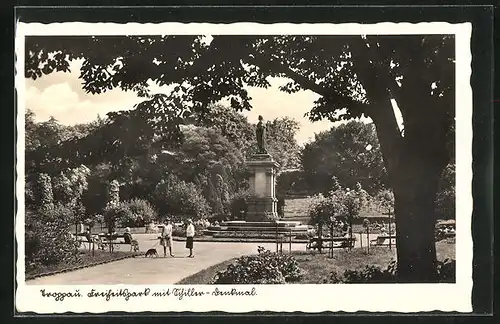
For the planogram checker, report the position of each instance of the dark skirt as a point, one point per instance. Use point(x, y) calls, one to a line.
point(189, 242)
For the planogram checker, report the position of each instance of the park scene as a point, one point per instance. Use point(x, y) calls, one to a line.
point(195, 169)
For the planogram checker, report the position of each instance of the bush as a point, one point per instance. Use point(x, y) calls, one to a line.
point(180, 231)
point(375, 274)
point(141, 213)
point(47, 238)
point(264, 268)
point(115, 213)
point(177, 197)
point(251, 235)
point(238, 204)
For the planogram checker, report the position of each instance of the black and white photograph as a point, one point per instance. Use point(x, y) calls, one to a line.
point(226, 167)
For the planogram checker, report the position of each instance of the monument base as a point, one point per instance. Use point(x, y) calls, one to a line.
point(262, 209)
point(262, 205)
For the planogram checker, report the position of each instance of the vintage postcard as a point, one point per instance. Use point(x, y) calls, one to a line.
point(243, 167)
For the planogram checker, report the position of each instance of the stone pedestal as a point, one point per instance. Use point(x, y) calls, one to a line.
point(262, 205)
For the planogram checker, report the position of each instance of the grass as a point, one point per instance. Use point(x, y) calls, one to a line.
point(317, 266)
point(86, 259)
point(445, 250)
point(206, 275)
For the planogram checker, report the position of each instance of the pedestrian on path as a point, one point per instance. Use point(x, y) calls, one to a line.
point(166, 238)
point(190, 237)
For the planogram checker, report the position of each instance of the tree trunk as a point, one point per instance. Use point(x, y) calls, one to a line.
point(414, 195)
point(414, 165)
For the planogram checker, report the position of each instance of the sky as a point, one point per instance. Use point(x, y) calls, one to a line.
point(61, 95)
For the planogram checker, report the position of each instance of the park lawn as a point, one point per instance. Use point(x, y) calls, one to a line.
point(206, 275)
point(317, 267)
point(86, 259)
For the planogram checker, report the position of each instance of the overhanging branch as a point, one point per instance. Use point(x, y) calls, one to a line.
point(275, 65)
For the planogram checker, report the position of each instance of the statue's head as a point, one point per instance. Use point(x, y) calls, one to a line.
point(260, 118)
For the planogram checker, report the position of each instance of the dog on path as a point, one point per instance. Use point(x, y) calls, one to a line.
point(151, 253)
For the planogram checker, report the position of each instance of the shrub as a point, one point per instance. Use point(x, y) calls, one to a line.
point(325, 212)
point(180, 231)
point(45, 195)
point(446, 270)
point(238, 204)
point(47, 238)
point(375, 274)
point(264, 268)
point(177, 197)
point(141, 212)
point(113, 214)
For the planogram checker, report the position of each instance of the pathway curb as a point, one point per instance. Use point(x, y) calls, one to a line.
point(64, 270)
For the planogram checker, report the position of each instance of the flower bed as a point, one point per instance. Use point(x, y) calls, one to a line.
point(264, 268)
point(247, 235)
point(239, 239)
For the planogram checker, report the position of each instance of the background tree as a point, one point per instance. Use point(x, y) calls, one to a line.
point(113, 210)
point(354, 76)
point(141, 213)
point(281, 143)
point(326, 211)
point(44, 192)
point(175, 197)
point(350, 152)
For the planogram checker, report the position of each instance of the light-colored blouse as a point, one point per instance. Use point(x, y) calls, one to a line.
point(190, 230)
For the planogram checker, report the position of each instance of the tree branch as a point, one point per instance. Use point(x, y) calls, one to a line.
point(275, 65)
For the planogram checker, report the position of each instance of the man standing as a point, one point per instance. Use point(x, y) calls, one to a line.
point(190, 237)
point(166, 241)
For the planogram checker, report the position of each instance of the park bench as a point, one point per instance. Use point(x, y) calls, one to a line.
point(384, 240)
point(83, 238)
point(319, 244)
point(114, 241)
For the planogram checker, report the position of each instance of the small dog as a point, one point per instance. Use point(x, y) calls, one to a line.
point(151, 253)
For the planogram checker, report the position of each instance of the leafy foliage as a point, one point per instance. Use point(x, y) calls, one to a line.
point(177, 197)
point(281, 143)
point(239, 204)
point(350, 153)
point(264, 268)
point(445, 199)
point(45, 193)
point(141, 213)
point(113, 193)
point(325, 210)
point(385, 199)
point(114, 214)
point(446, 270)
point(47, 237)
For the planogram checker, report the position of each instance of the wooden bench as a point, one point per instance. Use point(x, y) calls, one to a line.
point(114, 243)
point(330, 243)
point(384, 240)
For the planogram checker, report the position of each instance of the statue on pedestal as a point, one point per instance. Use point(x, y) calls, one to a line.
point(261, 137)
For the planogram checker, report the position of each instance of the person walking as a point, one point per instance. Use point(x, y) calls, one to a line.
point(166, 238)
point(190, 237)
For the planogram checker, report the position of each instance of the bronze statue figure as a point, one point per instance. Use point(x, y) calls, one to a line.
point(261, 137)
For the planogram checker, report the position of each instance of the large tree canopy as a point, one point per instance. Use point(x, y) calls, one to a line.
point(354, 76)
